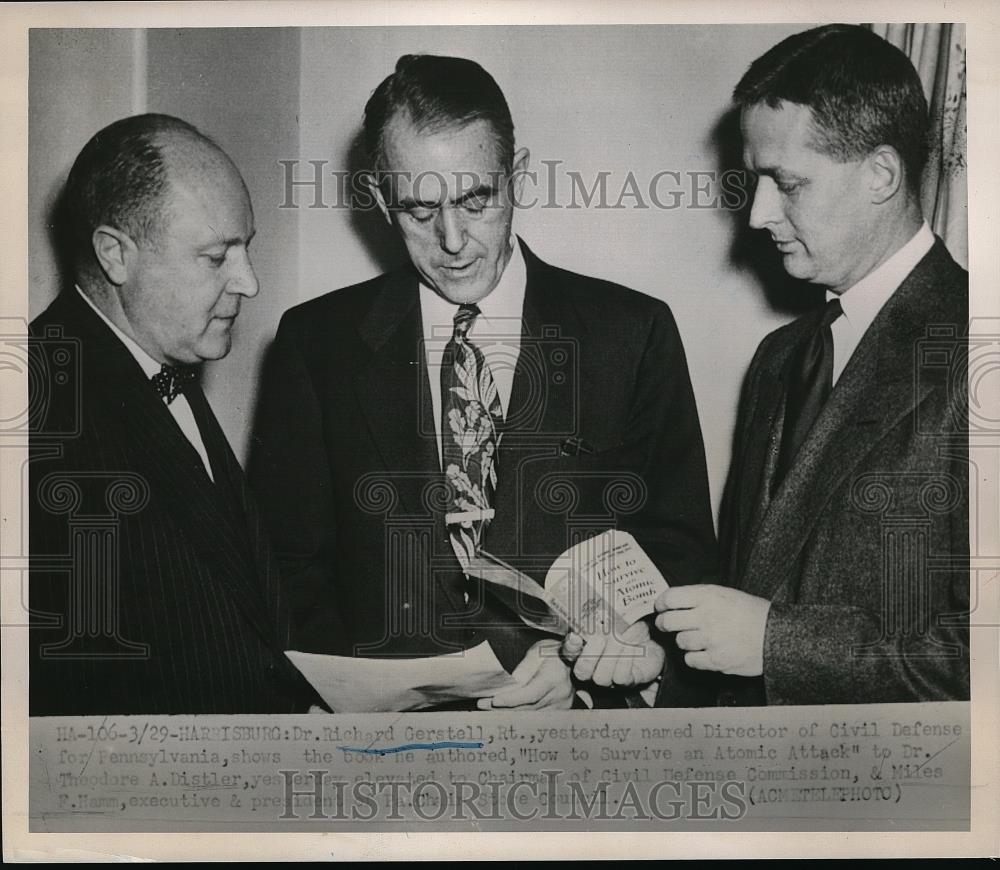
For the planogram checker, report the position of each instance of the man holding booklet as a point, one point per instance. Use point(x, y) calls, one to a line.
point(845, 523)
point(433, 443)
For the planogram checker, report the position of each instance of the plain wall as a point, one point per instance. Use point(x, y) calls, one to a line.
point(78, 82)
point(618, 100)
point(241, 87)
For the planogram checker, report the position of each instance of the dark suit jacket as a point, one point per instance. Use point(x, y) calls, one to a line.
point(152, 589)
point(863, 548)
point(346, 468)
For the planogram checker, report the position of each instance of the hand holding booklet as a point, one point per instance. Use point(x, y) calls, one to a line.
point(600, 586)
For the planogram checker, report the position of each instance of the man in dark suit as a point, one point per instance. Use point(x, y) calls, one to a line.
point(152, 589)
point(477, 399)
point(845, 518)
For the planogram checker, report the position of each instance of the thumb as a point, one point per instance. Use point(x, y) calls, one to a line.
point(572, 646)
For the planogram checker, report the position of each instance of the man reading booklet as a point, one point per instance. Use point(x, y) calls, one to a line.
point(476, 398)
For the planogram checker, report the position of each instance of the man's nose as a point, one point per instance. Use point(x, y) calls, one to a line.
point(766, 208)
point(243, 279)
point(450, 230)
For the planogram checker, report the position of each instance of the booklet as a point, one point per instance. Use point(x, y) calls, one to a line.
point(600, 586)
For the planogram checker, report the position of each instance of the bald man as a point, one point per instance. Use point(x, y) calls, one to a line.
point(152, 589)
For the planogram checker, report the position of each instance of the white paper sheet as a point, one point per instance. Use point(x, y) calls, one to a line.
point(357, 685)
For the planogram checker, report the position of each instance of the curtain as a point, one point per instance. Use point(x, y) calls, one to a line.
point(938, 53)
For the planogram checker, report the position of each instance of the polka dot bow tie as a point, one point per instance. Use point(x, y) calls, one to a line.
point(169, 381)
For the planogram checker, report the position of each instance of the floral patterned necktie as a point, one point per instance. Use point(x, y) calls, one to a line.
point(471, 415)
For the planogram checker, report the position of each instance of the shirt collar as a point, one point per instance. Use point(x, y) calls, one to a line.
point(863, 301)
point(504, 302)
point(149, 365)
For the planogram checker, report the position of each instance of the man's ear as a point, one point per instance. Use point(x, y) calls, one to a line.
point(376, 193)
point(519, 171)
point(888, 175)
point(115, 252)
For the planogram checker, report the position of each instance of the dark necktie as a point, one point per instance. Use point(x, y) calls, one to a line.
point(808, 389)
point(226, 470)
point(470, 417)
point(170, 381)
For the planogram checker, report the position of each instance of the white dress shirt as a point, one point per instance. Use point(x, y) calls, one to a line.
point(179, 407)
point(863, 301)
point(496, 332)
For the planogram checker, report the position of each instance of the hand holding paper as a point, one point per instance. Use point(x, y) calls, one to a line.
point(359, 685)
point(543, 682)
point(633, 659)
point(599, 589)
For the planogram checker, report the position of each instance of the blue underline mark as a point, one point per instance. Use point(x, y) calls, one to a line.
point(408, 747)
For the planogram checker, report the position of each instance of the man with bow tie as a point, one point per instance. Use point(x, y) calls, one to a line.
point(477, 399)
point(152, 589)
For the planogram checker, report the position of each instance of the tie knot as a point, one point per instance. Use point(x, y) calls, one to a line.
point(170, 381)
point(464, 317)
point(832, 311)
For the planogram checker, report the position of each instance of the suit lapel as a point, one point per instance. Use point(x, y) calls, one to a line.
point(214, 522)
point(392, 388)
point(174, 467)
point(874, 393)
point(761, 453)
point(539, 415)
